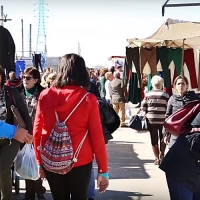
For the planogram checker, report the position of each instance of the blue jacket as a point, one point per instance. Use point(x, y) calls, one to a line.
point(93, 89)
point(7, 130)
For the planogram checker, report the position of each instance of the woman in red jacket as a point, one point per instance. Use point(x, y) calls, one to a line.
point(66, 92)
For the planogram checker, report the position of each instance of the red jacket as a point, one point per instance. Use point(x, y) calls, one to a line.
point(86, 117)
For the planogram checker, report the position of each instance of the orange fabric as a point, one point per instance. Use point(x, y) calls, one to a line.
point(86, 117)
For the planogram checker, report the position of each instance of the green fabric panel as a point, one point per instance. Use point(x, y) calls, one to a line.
point(162, 56)
point(176, 56)
point(149, 82)
point(134, 95)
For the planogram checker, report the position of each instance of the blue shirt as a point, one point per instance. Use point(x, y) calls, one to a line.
point(7, 130)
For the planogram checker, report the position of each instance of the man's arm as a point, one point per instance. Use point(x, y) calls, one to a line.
point(11, 131)
point(7, 130)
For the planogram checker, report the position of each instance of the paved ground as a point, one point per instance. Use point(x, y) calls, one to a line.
point(133, 176)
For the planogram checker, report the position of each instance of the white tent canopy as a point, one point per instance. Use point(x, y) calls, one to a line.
point(173, 30)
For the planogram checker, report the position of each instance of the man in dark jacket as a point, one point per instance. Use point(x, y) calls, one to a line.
point(93, 89)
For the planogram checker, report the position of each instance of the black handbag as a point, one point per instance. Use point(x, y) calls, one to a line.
point(138, 122)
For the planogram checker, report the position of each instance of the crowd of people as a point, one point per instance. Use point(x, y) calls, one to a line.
point(181, 163)
point(74, 98)
point(37, 97)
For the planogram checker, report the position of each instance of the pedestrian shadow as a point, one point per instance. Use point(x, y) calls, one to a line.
point(20, 196)
point(126, 142)
point(124, 162)
point(120, 195)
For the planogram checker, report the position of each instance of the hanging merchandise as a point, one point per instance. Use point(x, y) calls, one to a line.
point(7, 50)
point(43, 61)
point(148, 63)
point(132, 75)
point(148, 55)
point(132, 56)
point(20, 66)
point(189, 61)
point(162, 57)
point(37, 61)
point(175, 55)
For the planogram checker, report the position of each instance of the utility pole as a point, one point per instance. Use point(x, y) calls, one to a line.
point(3, 17)
point(22, 37)
point(45, 46)
point(30, 41)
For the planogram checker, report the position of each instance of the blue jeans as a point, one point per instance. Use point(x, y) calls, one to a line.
point(179, 191)
point(91, 189)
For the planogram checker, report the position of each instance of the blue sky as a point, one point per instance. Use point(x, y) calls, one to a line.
point(101, 26)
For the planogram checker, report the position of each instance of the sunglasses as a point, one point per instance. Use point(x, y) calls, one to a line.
point(28, 78)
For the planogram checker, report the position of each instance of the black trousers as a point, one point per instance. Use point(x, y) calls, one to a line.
point(33, 187)
point(155, 131)
point(74, 183)
point(37, 61)
point(162, 55)
point(132, 57)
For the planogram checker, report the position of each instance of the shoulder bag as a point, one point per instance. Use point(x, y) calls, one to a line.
point(176, 124)
point(17, 118)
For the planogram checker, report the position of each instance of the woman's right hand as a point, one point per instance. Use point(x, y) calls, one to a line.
point(102, 183)
point(166, 139)
point(42, 174)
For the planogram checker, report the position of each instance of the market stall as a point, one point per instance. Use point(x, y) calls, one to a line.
point(172, 50)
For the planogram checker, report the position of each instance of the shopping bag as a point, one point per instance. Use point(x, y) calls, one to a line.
point(138, 122)
point(128, 112)
point(26, 164)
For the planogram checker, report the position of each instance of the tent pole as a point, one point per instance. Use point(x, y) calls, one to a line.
point(199, 73)
point(182, 62)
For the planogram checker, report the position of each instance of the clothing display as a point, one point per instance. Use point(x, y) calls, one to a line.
point(20, 66)
point(134, 92)
point(175, 55)
point(189, 61)
point(132, 57)
point(199, 71)
point(148, 55)
point(7, 50)
point(132, 74)
point(43, 61)
point(37, 61)
point(162, 56)
point(163, 61)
